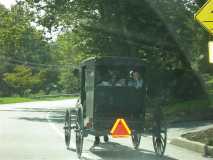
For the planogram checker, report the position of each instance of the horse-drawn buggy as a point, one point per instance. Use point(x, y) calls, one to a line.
point(112, 102)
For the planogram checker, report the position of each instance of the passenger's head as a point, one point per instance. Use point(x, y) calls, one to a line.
point(136, 73)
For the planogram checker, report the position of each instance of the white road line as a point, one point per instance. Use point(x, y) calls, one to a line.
point(58, 131)
point(51, 124)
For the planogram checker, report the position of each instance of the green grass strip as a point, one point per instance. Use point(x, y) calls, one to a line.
point(9, 100)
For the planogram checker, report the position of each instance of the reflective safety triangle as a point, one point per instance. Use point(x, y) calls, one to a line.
point(120, 129)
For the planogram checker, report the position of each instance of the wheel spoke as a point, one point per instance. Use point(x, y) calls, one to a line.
point(159, 142)
point(136, 138)
point(79, 133)
point(67, 129)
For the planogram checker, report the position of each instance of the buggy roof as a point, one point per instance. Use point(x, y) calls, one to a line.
point(115, 61)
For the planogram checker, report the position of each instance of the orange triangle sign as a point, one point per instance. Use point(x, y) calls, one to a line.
point(120, 129)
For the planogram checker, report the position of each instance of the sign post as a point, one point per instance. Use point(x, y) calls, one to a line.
point(210, 51)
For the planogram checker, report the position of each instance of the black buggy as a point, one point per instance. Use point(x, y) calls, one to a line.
point(106, 94)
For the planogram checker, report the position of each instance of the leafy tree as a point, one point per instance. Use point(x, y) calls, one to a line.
point(145, 29)
point(22, 80)
point(200, 2)
point(163, 33)
point(23, 44)
point(113, 28)
point(130, 28)
point(69, 55)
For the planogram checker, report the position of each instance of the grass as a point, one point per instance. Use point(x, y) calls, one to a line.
point(199, 109)
point(202, 109)
point(188, 106)
point(8, 100)
point(196, 109)
point(54, 98)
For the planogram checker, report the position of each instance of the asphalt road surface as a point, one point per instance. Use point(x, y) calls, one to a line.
point(34, 131)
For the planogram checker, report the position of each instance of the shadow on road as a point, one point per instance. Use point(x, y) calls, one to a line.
point(105, 151)
point(116, 151)
point(54, 117)
point(33, 119)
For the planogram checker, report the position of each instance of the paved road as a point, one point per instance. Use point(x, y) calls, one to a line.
point(33, 131)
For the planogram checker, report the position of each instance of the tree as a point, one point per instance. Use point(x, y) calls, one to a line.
point(144, 29)
point(22, 44)
point(69, 55)
point(200, 2)
point(106, 27)
point(22, 80)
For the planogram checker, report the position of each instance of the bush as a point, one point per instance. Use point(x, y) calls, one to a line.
point(188, 85)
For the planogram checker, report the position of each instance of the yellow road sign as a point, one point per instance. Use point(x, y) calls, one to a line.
point(205, 16)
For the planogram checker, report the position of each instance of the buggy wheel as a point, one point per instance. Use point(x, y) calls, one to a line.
point(159, 138)
point(67, 128)
point(136, 139)
point(79, 132)
point(106, 138)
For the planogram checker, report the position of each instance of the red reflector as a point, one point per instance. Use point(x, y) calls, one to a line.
point(120, 129)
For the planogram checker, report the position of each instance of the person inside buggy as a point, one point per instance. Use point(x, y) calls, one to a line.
point(136, 78)
point(120, 77)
